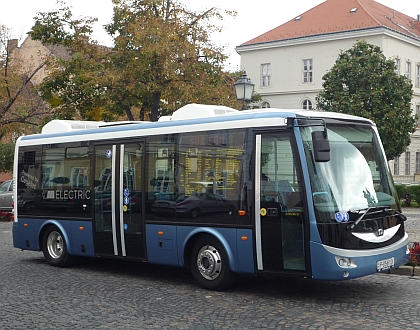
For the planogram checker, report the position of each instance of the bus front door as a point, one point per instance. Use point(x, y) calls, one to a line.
point(119, 226)
point(279, 211)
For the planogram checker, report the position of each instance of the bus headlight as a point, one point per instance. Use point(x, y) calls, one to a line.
point(345, 262)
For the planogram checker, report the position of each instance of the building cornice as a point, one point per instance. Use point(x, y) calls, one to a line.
point(325, 37)
point(289, 92)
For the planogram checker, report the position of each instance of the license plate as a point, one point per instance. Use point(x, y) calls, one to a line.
point(385, 264)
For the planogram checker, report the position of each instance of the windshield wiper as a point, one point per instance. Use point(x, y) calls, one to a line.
point(356, 222)
point(378, 209)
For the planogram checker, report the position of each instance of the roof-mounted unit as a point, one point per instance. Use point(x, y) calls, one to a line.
point(120, 123)
point(192, 111)
point(56, 125)
point(298, 18)
point(353, 10)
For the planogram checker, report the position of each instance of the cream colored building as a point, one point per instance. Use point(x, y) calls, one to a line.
point(31, 54)
point(287, 63)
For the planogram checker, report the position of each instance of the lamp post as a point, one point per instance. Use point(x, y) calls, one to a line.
point(244, 88)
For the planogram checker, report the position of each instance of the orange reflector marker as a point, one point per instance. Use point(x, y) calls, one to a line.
point(244, 238)
point(25, 225)
point(81, 228)
point(242, 213)
point(160, 233)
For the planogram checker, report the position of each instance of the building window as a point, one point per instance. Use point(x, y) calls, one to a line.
point(307, 104)
point(307, 71)
point(265, 75)
point(264, 105)
point(407, 163)
point(397, 65)
point(397, 166)
point(408, 69)
point(417, 162)
point(418, 114)
point(418, 75)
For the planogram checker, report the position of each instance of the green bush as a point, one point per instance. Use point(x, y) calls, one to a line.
point(414, 191)
point(404, 195)
point(401, 191)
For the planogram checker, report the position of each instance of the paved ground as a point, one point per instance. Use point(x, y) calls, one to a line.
point(412, 225)
point(106, 294)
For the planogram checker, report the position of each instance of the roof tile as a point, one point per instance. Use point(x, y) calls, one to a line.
point(336, 16)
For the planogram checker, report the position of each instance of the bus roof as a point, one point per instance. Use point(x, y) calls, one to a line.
point(192, 117)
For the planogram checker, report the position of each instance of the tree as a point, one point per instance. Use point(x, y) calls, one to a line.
point(162, 59)
point(364, 83)
point(74, 87)
point(20, 105)
point(21, 108)
point(6, 156)
point(175, 61)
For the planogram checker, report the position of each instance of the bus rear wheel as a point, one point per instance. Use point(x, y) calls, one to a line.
point(210, 265)
point(55, 249)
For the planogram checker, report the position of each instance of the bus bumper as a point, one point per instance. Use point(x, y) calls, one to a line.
point(330, 263)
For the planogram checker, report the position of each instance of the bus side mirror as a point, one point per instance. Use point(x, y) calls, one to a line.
point(321, 146)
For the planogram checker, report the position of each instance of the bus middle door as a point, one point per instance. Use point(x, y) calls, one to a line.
point(119, 226)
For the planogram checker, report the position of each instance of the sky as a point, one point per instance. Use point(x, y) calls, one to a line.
point(252, 19)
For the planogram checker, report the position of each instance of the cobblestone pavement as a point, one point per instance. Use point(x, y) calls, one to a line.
point(412, 225)
point(107, 294)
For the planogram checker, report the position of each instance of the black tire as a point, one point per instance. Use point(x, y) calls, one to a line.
point(210, 265)
point(55, 249)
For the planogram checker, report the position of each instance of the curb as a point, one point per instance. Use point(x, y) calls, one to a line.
point(406, 270)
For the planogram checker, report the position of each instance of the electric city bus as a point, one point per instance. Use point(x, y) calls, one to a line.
point(220, 191)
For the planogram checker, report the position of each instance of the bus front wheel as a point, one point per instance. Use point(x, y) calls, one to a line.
point(55, 249)
point(210, 265)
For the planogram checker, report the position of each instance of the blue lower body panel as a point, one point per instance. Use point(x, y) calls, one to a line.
point(78, 235)
point(166, 245)
point(339, 264)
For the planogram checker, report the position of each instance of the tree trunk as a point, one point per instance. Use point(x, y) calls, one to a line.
point(142, 111)
point(155, 106)
point(128, 112)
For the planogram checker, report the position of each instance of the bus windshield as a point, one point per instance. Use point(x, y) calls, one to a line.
point(355, 178)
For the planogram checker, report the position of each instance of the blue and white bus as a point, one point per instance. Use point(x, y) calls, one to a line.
point(220, 191)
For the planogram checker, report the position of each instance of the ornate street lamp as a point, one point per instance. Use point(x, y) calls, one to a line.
point(244, 88)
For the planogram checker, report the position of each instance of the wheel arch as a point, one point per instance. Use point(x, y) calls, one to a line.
point(191, 239)
point(61, 227)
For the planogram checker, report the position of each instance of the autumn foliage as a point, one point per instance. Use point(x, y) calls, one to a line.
point(162, 59)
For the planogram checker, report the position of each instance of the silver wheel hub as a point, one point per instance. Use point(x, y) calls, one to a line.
point(55, 244)
point(209, 262)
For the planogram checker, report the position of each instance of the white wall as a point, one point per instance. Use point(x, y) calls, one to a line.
point(286, 89)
